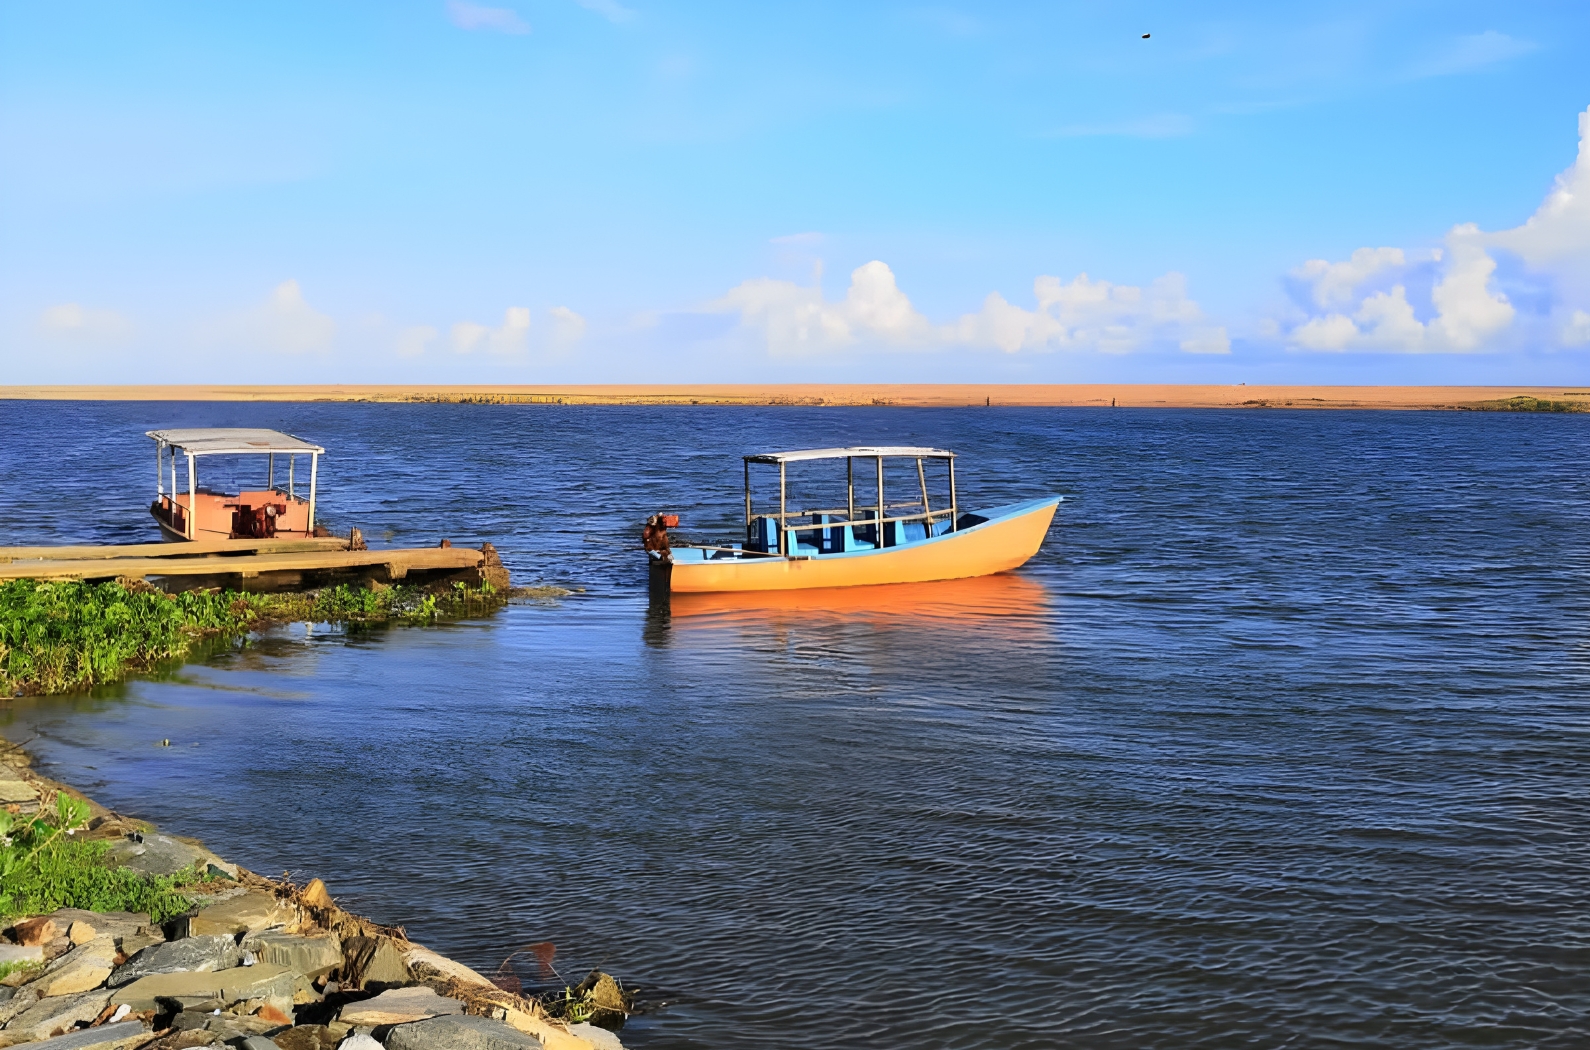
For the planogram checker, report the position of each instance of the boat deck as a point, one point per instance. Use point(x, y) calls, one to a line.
point(250, 564)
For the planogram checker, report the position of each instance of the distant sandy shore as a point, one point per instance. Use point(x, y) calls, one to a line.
point(1092, 395)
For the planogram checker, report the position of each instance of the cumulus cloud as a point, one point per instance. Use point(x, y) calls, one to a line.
point(465, 15)
point(511, 337)
point(1081, 314)
point(1577, 331)
point(1455, 299)
point(567, 327)
point(73, 320)
point(284, 323)
point(413, 341)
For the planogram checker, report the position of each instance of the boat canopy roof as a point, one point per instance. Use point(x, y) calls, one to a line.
point(210, 441)
point(858, 452)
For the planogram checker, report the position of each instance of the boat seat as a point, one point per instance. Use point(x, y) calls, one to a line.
point(896, 533)
point(762, 535)
point(941, 528)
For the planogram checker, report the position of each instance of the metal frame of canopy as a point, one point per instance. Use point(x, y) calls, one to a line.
point(879, 509)
point(230, 441)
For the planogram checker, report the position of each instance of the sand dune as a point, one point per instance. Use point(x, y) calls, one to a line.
point(1095, 395)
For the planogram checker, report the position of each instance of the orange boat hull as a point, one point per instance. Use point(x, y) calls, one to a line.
point(994, 546)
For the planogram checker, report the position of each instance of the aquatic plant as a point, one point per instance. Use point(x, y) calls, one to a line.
point(62, 635)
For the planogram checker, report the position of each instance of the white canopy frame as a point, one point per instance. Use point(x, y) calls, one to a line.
point(230, 441)
point(880, 509)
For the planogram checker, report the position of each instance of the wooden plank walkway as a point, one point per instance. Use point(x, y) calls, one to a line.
point(398, 563)
point(173, 549)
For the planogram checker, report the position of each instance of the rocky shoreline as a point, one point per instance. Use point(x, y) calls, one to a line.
point(258, 964)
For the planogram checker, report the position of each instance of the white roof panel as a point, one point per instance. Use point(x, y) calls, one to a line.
point(210, 441)
point(860, 452)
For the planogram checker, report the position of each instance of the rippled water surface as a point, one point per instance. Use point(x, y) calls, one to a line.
point(1280, 742)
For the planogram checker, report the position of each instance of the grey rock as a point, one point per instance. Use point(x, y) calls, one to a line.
point(600, 1038)
point(48, 1016)
point(106, 1037)
point(156, 854)
point(189, 955)
point(257, 1042)
point(227, 1028)
point(238, 914)
point(372, 962)
point(399, 1006)
point(311, 956)
point(80, 969)
point(21, 999)
point(117, 925)
point(359, 1041)
point(459, 1032)
point(16, 953)
point(13, 789)
point(190, 988)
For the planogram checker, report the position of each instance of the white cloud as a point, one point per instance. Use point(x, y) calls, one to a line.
point(1577, 331)
point(1334, 283)
point(567, 326)
point(286, 323)
point(510, 338)
point(465, 15)
point(1468, 54)
point(1467, 306)
point(1559, 231)
point(413, 341)
point(74, 320)
point(1082, 314)
point(609, 9)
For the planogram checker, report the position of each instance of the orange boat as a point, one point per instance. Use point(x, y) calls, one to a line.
point(859, 543)
point(206, 514)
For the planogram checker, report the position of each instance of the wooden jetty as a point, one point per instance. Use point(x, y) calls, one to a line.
point(255, 565)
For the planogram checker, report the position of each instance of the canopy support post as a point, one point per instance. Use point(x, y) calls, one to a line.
point(748, 499)
point(850, 485)
point(292, 460)
point(270, 473)
point(160, 469)
point(921, 476)
point(193, 497)
point(880, 503)
point(783, 525)
point(955, 513)
point(314, 467)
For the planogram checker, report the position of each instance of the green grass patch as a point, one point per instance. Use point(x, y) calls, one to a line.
point(72, 874)
point(9, 968)
point(64, 635)
point(43, 868)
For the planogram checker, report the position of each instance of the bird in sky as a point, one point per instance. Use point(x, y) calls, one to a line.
point(1145, 36)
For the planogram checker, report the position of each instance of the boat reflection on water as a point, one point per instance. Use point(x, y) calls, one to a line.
point(1005, 607)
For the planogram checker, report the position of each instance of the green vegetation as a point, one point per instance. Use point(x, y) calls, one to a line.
point(64, 635)
point(1524, 403)
point(42, 868)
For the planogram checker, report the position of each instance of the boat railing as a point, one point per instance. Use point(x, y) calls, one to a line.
point(928, 517)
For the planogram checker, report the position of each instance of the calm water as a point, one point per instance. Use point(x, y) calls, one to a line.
point(1280, 742)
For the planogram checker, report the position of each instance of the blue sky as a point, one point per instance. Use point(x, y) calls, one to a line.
point(606, 191)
